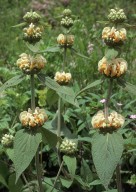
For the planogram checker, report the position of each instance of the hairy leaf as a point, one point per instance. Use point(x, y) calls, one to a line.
point(71, 164)
point(95, 83)
point(111, 54)
point(25, 147)
point(12, 82)
point(106, 151)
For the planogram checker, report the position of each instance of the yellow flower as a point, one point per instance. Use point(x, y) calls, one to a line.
point(33, 119)
point(112, 36)
point(29, 64)
point(62, 77)
point(115, 120)
point(112, 68)
point(65, 40)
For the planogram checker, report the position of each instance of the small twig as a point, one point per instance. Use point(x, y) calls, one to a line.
point(27, 184)
point(61, 166)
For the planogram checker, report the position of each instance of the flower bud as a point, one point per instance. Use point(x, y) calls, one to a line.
point(117, 16)
point(68, 147)
point(67, 22)
point(112, 68)
point(29, 64)
point(114, 37)
point(7, 140)
point(33, 119)
point(62, 78)
point(32, 17)
point(65, 40)
point(32, 34)
point(115, 120)
point(67, 12)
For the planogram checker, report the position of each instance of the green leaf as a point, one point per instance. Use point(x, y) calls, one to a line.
point(95, 83)
point(49, 137)
point(34, 48)
point(10, 153)
point(111, 54)
point(79, 54)
point(4, 171)
point(130, 88)
point(14, 187)
point(106, 151)
point(112, 190)
point(20, 25)
point(79, 180)
point(25, 147)
point(86, 139)
point(12, 82)
point(66, 183)
point(86, 173)
point(51, 49)
point(66, 93)
point(71, 164)
point(96, 182)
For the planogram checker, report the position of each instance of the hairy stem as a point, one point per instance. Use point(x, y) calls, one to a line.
point(32, 93)
point(106, 110)
point(61, 166)
point(38, 168)
point(118, 177)
point(64, 59)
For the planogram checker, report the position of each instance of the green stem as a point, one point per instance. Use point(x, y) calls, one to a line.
point(32, 93)
point(61, 166)
point(59, 118)
point(106, 109)
point(64, 59)
point(38, 168)
point(118, 177)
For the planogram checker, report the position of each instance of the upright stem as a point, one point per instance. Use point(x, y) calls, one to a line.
point(38, 168)
point(59, 118)
point(32, 93)
point(106, 110)
point(118, 177)
point(64, 58)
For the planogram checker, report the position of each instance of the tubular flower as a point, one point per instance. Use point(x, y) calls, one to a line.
point(33, 34)
point(65, 40)
point(33, 119)
point(115, 120)
point(68, 147)
point(7, 140)
point(29, 64)
point(113, 37)
point(62, 78)
point(32, 17)
point(117, 15)
point(112, 68)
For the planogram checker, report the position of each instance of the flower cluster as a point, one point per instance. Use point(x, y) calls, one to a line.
point(68, 147)
point(117, 15)
point(113, 36)
point(67, 20)
point(7, 140)
point(114, 120)
point(29, 64)
point(65, 40)
point(62, 78)
point(33, 119)
point(112, 68)
point(32, 17)
point(32, 33)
